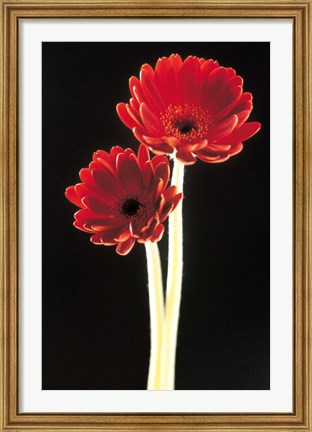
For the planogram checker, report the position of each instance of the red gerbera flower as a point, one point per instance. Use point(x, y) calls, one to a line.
point(194, 107)
point(123, 198)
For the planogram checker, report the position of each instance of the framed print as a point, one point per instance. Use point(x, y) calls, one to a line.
point(155, 216)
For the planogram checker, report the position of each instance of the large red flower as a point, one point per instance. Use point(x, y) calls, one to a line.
point(194, 107)
point(123, 198)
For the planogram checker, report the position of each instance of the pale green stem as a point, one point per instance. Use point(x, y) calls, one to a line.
point(174, 284)
point(157, 316)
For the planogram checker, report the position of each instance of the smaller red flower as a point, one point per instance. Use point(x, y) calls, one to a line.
point(124, 198)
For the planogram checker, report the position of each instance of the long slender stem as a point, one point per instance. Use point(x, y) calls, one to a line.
point(157, 315)
point(174, 284)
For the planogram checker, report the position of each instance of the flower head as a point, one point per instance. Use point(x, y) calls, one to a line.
point(193, 107)
point(124, 198)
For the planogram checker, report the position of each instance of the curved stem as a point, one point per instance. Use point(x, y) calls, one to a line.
point(157, 316)
point(174, 284)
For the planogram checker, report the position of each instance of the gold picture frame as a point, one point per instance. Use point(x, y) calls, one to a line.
point(12, 11)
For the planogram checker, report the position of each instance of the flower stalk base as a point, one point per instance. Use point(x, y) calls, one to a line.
point(157, 315)
point(165, 318)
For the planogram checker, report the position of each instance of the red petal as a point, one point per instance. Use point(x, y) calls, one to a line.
point(189, 80)
point(85, 176)
point(159, 188)
point(186, 157)
point(71, 195)
point(223, 129)
point(102, 154)
point(143, 155)
point(235, 149)
point(213, 86)
point(242, 117)
point(176, 62)
point(97, 240)
point(169, 193)
point(129, 152)
point(125, 247)
point(105, 159)
point(84, 190)
point(123, 236)
point(235, 80)
point(151, 91)
point(114, 152)
point(158, 233)
point(137, 230)
point(169, 206)
point(158, 160)
point(176, 200)
point(244, 103)
point(124, 114)
point(135, 115)
point(128, 170)
point(227, 102)
point(152, 140)
point(134, 82)
point(222, 158)
point(207, 156)
point(106, 237)
point(163, 66)
point(135, 106)
point(148, 176)
point(148, 230)
point(139, 95)
point(187, 148)
point(96, 205)
point(165, 79)
point(162, 143)
point(151, 122)
point(147, 68)
point(247, 130)
point(200, 145)
point(138, 133)
point(106, 182)
point(79, 225)
point(172, 141)
point(162, 171)
point(217, 148)
point(231, 72)
point(98, 166)
point(88, 216)
point(161, 148)
point(103, 224)
point(207, 67)
point(165, 212)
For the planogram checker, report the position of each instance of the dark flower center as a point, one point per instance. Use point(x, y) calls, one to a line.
point(185, 125)
point(188, 123)
point(130, 207)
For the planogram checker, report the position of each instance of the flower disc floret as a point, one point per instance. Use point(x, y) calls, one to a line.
point(124, 198)
point(187, 123)
point(193, 108)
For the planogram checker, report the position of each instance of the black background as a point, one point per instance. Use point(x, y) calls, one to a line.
point(95, 302)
